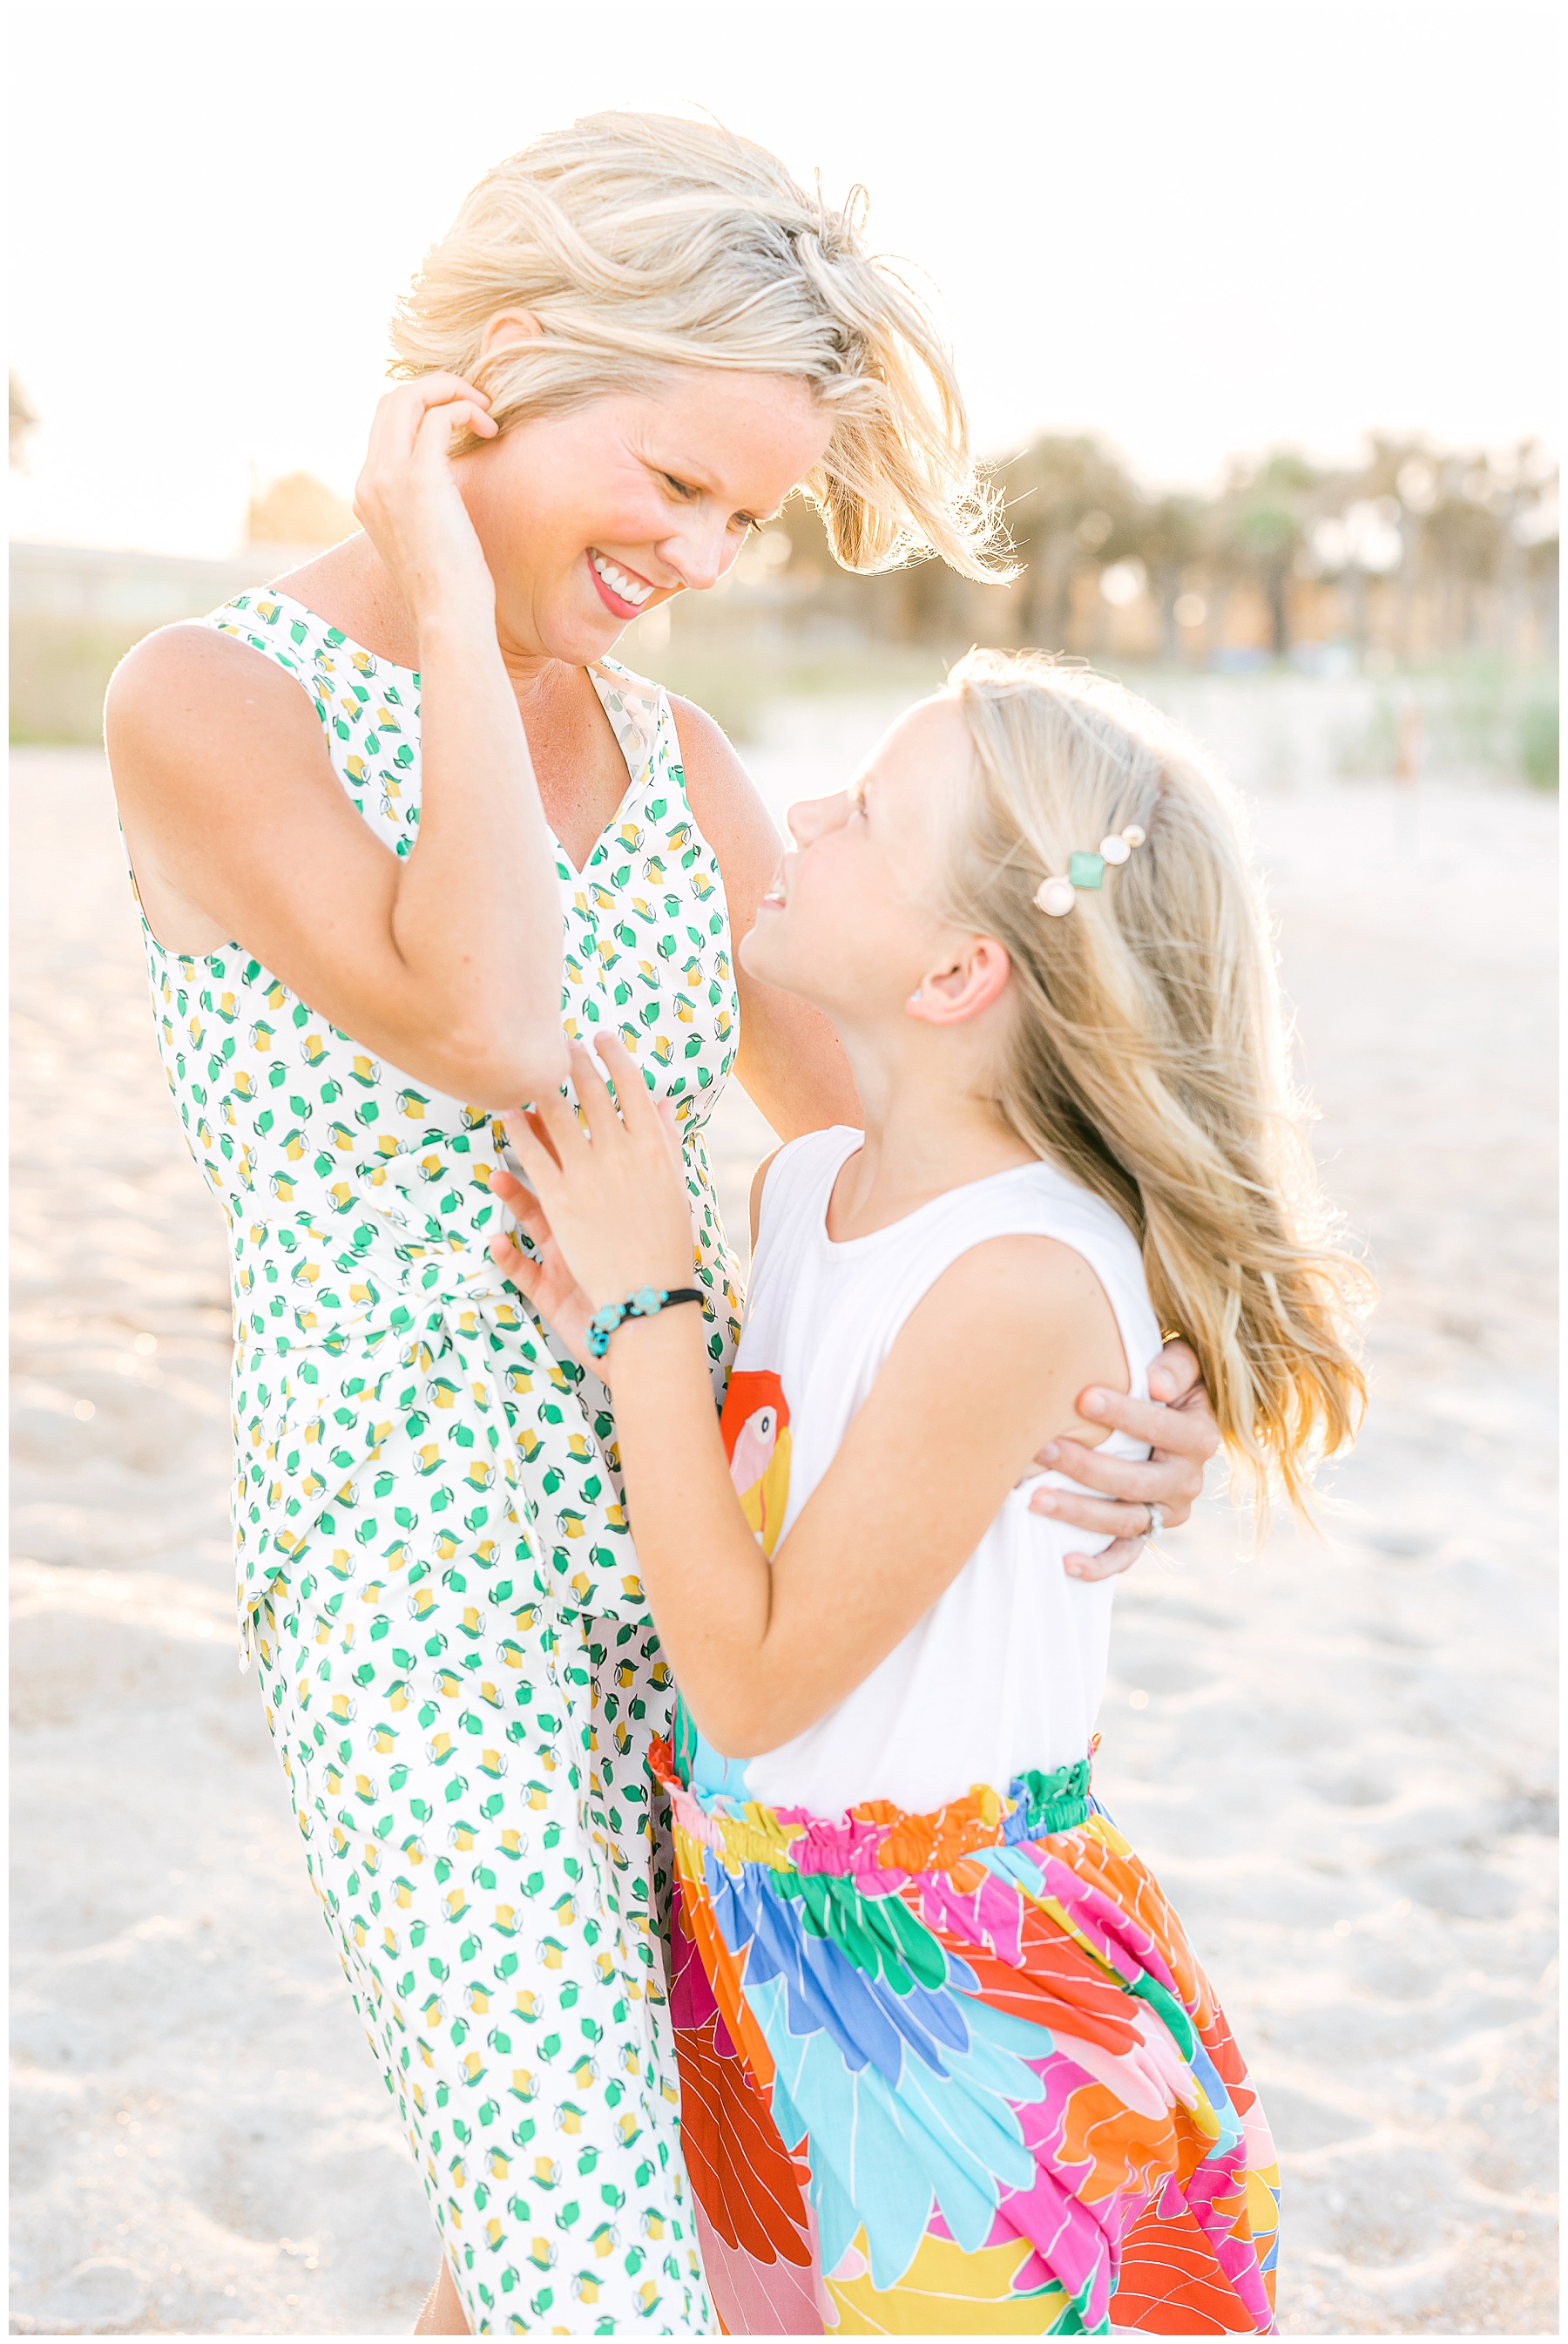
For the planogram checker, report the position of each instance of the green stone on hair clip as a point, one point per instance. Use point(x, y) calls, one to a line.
point(1057, 896)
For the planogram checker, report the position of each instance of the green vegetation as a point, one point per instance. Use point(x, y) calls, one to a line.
point(60, 671)
point(1538, 743)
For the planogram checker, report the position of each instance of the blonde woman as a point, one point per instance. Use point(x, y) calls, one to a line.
point(1005, 2097)
point(402, 831)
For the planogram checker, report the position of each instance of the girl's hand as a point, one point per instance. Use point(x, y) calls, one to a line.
point(1177, 1423)
point(542, 1276)
point(613, 1196)
point(407, 499)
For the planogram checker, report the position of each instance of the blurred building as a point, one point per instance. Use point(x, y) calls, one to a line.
point(76, 610)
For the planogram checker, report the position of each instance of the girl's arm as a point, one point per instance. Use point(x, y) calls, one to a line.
point(792, 1066)
point(762, 1650)
point(447, 961)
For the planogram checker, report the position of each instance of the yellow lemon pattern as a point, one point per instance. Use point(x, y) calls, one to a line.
point(433, 1566)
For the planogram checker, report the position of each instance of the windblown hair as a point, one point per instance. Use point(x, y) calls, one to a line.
point(639, 242)
point(1147, 1056)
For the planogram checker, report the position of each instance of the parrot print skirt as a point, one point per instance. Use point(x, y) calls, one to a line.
point(957, 2073)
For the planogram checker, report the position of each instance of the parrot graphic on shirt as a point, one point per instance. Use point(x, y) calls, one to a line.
point(755, 1428)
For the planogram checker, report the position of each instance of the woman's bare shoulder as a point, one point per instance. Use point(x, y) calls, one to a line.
point(186, 686)
point(725, 801)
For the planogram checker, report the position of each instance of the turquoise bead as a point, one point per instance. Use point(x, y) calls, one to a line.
point(1086, 870)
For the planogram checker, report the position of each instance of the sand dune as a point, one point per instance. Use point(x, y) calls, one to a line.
point(1339, 1758)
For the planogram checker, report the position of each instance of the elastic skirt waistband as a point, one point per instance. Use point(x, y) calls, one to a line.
point(876, 1836)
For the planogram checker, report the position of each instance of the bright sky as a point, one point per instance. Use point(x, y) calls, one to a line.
point(1192, 228)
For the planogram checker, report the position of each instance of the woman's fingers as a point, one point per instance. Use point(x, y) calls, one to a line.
point(1186, 1431)
point(403, 411)
point(433, 439)
point(1175, 1372)
point(401, 416)
point(1109, 1517)
point(1164, 1481)
point(1116, 1557)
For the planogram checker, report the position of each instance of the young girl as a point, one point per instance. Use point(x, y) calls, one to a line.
point(944, 2027)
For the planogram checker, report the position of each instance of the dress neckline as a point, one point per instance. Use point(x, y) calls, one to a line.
point(607, 677)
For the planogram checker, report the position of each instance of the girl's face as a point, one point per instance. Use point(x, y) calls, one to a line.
point(846, 924)
point(588, 518)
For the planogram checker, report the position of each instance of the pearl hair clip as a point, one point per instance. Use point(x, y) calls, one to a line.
point(1056, 895)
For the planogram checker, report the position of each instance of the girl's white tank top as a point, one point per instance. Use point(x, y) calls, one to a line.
point(1006, 1671)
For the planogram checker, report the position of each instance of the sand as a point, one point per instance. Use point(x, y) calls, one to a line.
point(1339, 1758)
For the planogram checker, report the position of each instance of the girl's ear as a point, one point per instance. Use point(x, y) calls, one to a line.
point(963, 988)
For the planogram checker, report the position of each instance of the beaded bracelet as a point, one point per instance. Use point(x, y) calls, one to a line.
point(646, 1303)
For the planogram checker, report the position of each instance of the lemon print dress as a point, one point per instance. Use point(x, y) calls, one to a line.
point(434, 1578)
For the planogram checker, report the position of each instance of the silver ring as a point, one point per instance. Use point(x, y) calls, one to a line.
point(1156, 1522)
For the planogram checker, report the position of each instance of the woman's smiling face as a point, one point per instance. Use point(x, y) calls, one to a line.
point(590, 518)
point(848, 922)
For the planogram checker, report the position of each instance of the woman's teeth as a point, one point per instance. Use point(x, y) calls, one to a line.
point(629, 590)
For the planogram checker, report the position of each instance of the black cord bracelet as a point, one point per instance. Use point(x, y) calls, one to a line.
point(646, 1303)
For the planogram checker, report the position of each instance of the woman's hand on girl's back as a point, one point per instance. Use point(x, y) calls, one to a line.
point(407, 500)
point(1178, 1424)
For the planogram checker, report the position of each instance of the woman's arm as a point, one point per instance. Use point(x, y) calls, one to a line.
point(446, 962)
point(792, 1062)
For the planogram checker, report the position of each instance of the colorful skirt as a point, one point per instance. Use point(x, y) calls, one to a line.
point(958, 2074)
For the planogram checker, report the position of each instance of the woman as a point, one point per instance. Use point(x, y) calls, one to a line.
point(638, 337)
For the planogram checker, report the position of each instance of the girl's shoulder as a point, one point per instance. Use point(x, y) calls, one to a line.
point(1040, 1200)
point(807, 1164)
point(798, 1183)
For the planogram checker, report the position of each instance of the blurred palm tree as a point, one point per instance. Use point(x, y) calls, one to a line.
point(1410, 550)
point(1463, 536)
point(1176, 536)
point(1073, 509)
point(1263, 521)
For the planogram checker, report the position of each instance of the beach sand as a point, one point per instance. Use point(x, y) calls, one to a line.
point(1338, 1757)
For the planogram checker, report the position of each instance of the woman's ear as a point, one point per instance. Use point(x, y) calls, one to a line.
point(508, 326)
point(965, 987)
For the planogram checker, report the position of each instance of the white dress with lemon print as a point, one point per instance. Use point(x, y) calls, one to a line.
point(435, 1576)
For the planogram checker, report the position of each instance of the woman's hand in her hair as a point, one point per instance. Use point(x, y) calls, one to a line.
point(1178, 1425)
point(408, 502)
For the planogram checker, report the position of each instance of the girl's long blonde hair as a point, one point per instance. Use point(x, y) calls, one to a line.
point(1148, 1055)
point(641, 241)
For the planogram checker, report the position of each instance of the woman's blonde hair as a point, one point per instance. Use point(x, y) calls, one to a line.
point(641, 241)
point(1148, 1057)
